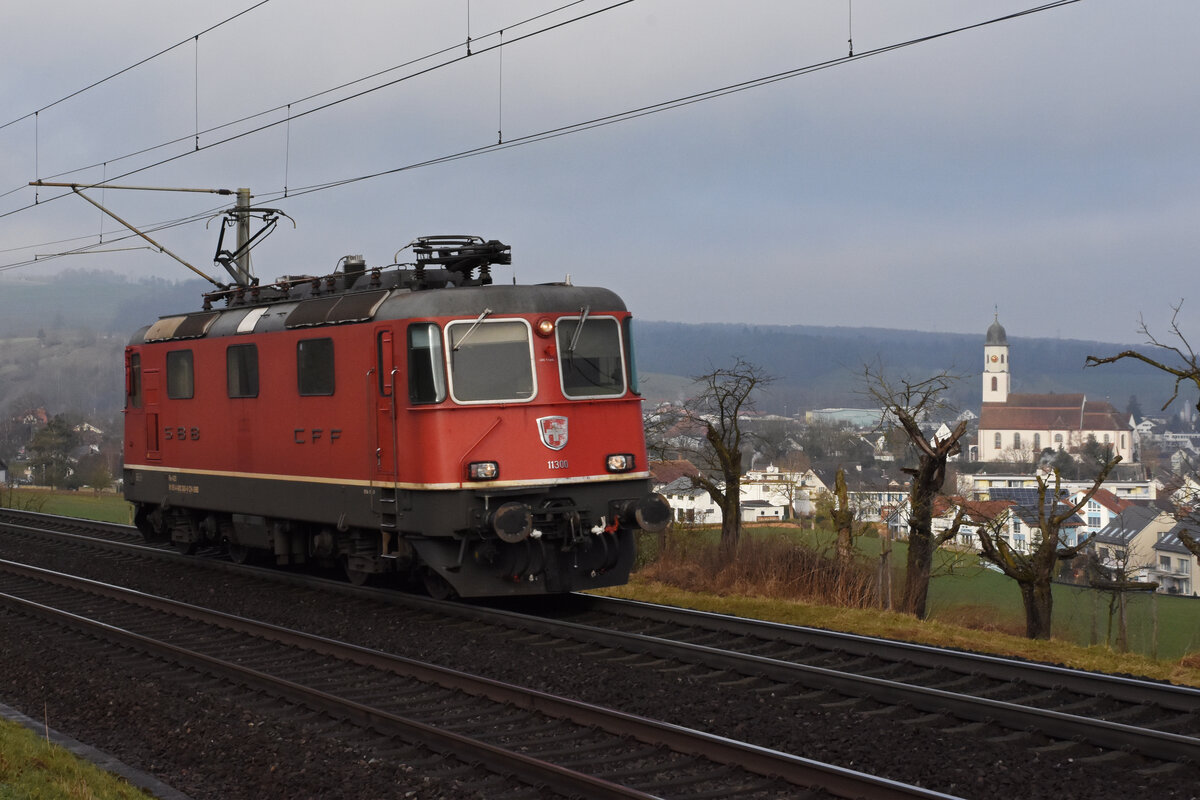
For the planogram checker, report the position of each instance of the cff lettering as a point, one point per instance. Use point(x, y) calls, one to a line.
point(303, 435)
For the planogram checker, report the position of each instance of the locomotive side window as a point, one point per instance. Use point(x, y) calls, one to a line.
point(383, 362)
point(490, 361)
point(314, 367)
point(133, 398)
point(181, 382)
point(426, 374)
point(590, 357)
point(241, 370)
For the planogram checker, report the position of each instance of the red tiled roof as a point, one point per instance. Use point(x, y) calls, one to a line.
point(986, 510)
point(1050, 412)
point(1110, 501)
point(670, 471)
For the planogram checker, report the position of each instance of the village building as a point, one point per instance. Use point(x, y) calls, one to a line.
point(1142, 543)
point(1017, 427)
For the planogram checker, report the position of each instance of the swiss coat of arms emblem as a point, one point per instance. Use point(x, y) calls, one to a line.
point(553, 431)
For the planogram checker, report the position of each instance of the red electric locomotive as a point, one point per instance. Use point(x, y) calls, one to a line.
point(419, 420)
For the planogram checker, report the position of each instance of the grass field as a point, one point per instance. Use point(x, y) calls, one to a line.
point(962, 593)
point(105, 507)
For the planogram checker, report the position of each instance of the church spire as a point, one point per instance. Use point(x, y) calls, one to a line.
point(996, 378)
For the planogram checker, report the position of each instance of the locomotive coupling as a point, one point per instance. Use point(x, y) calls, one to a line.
point(652, 512)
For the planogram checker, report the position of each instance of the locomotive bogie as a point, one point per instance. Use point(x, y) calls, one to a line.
point(484, 439)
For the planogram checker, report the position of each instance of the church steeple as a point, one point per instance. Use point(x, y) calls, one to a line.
point(995, 363)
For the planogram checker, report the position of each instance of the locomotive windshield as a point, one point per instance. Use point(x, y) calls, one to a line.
point(589, 357)
point(493, 364)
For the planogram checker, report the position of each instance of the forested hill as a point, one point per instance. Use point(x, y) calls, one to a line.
point(815, 367)
point(820, 367)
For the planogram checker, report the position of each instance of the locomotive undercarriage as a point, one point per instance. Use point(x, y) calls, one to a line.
point(508, 543)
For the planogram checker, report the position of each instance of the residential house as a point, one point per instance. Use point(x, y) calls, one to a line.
point(873, 493)
point(690, 504)
point(1126, 484)
point(1130, 543)
point(3, 473)
point(761, 511)
point(765, 494)
point(1098, 511)
point(1024, 520)
point(1174, 564)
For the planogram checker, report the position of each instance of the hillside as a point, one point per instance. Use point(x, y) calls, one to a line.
point(819, 367)
point(84, 318)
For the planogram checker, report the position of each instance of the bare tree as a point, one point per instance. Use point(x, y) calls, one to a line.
point(726, 395)
point(1034, 571)
point(1116, 576)
point(908, 402)
point(1189, 362)
point(1186, 370)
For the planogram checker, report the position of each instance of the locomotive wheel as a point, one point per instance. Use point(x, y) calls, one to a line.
point(357, 577)
point(238, 553)
point(436, 586)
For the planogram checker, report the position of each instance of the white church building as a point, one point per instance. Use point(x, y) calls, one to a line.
point(1017, 427)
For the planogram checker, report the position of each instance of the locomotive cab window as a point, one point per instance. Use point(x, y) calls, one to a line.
point(490, 361)
point(241, 370)
point(181, 381)
point(426, 374)
point(590, 357)
point(314, 367)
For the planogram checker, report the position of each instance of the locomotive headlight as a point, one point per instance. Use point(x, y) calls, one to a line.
point(544, 327)
point(619, 462)
point(483, 470)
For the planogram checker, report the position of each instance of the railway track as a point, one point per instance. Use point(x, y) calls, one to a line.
point(511, 730)
point(812, 685)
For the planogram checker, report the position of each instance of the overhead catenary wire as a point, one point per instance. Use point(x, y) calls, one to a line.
point(668, 105)
point(133, 66)
point(379, 73)
point(611, 119)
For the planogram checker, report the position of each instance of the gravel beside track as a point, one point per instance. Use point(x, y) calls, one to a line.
point(207, 749)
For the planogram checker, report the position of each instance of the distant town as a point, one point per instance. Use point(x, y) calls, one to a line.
point(1135, 518)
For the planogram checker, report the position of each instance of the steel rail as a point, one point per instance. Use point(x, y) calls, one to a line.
point(1134, 690)
point(760, 760)
point(1147, 741)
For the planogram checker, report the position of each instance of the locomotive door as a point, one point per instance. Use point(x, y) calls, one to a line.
point(384, 401)
point(150, 387)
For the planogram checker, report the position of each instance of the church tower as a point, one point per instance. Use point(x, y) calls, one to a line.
point(995, 364)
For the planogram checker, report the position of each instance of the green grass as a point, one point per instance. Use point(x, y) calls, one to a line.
point(33, 769)
point(966, 595)
point(85, 504)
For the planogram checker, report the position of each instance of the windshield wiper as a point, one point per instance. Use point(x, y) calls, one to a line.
point(471, 329)
point(583, 315)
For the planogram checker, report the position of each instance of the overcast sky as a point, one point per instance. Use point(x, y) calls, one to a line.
point(1047, 165)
